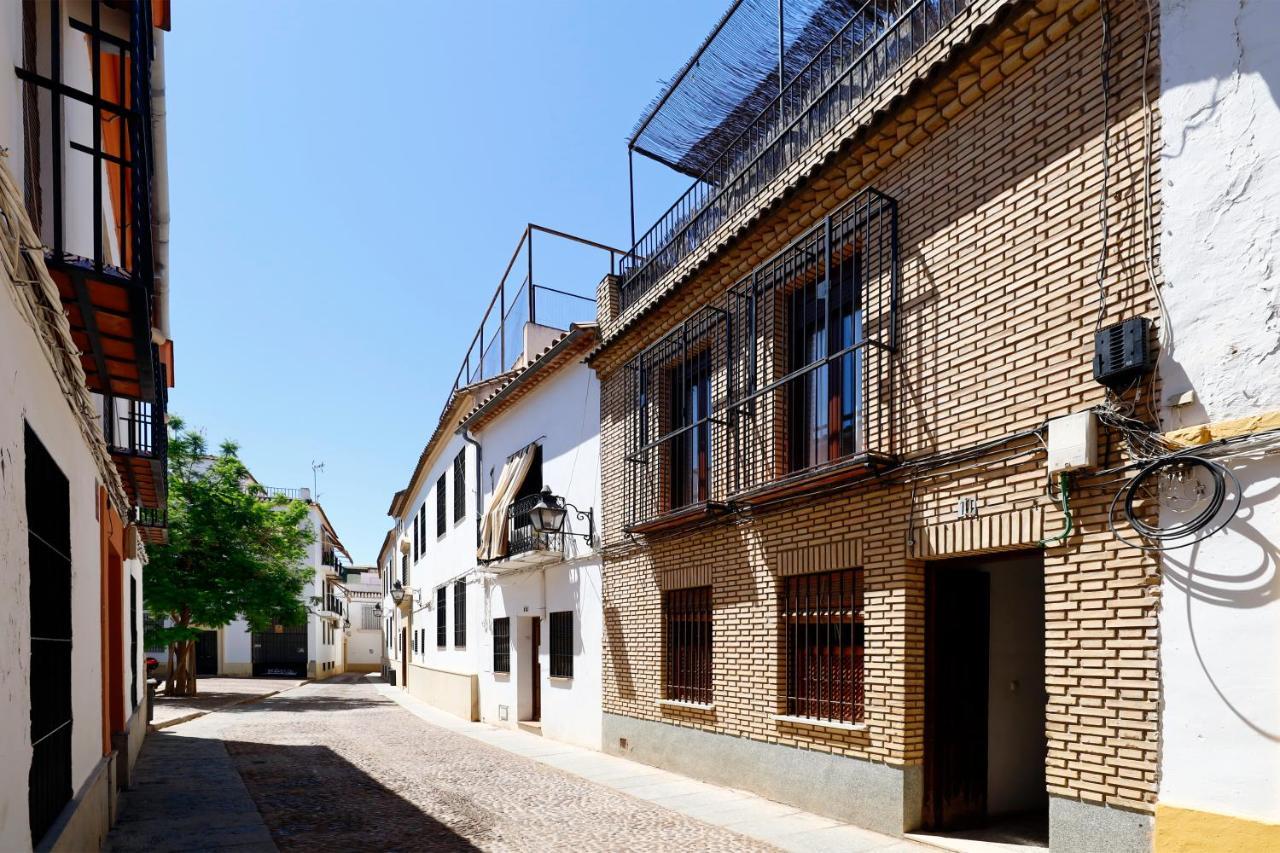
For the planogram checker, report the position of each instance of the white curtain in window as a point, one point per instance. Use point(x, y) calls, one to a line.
point(493, 528)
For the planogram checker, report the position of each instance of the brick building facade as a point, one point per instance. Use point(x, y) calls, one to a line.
point(962, 196)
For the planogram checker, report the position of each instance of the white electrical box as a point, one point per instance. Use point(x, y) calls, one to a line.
point(1073, 442)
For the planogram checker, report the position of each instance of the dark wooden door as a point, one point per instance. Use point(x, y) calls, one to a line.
point(404, 657)
point(207, 653)
point(956, 665)
point(535, 671)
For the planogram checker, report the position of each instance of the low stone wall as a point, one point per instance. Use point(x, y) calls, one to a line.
point(86, 820)
point(455, 692)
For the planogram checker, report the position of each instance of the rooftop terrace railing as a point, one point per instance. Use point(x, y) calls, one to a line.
point(876, 41)
point(523, 297)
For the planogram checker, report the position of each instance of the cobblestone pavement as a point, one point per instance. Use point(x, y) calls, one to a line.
point(214, 693)
point(336, 766)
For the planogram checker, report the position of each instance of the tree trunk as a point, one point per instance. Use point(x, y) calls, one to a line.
point(168, 673)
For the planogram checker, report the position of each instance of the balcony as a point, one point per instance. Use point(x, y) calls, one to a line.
point(743, 140)
point(331, 607)
point(526, 547)
point(137, 436)
point(152, 523)
point(90, 179)
point(531, 295)
point(782, 386)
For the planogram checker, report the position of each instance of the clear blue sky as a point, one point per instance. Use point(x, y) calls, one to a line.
point(347, 183)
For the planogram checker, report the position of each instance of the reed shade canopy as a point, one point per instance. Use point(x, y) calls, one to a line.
point(493, 527)
point(733, 77)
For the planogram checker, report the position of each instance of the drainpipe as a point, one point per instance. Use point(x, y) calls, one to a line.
point(466, 436)
point(160, 196)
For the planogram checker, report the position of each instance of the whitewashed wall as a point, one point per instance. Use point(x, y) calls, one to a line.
point(563, 415)
point(1220, 621)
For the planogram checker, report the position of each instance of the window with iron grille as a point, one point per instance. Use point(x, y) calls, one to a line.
point(49, 601)
point(368, 618)
point(686, 616)
point(675, 440)
point(415, 642)
point(459, 486)
point(502, 644)
point(442, 617)
point(821, 621)
point(404, 571)
point(133, 643)
point(562, 644)
point(416, 546)
point(460, 614)
point(441, 502)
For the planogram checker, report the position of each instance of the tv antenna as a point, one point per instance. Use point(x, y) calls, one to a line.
point(316, 468)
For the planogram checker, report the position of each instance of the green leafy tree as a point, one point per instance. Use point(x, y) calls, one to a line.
point(230, 553)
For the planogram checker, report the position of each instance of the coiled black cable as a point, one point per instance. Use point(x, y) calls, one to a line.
point(1161, 537)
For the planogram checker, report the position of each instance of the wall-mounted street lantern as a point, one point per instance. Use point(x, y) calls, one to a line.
point(377, 610)
point(397, 592)
point(548, 514)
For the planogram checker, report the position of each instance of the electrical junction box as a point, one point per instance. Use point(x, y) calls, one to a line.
point(1123, 353)
point(1073, 442)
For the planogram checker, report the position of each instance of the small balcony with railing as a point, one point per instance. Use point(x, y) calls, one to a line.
point(783, 385)
point(770, 83)
point(527, 547)
point(137, 436)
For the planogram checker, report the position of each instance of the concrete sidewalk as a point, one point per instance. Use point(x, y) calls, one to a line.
point(188, 796)
point(738, 811)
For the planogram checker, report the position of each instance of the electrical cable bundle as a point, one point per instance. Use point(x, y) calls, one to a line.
point(1207, 518)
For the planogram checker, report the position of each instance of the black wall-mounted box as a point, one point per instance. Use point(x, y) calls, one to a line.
point(1123, 353)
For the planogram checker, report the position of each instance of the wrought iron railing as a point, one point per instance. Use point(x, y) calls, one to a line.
point(148, 516)
point(333, 604)
point(876, 41)
point(522, 298)
point(289, 494)
point(522, 538)
point(788, 374)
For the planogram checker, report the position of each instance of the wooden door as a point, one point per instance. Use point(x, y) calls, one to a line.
point(207, 653)
point(956, 665)
point(535, 670)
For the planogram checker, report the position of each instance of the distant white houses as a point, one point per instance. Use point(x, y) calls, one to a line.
point(314, 650)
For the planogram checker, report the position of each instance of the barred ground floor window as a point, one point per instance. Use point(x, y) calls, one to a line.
point(822, 625)
point(502, 644)
point(686, 616)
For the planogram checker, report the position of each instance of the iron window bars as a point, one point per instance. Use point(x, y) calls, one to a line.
point(686, 618)
point(821, 620)
point(48, 507)
point(502, 644)
point(441, 504)
point(789, 374)
point(442, 618)
point(460, 614)
point(562, 644)
point(676, 430)
point(459, 486)
point(879, 37)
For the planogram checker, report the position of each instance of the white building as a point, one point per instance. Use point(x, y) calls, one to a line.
point(483, 617)
point(314, 650)
point(86, 360)
point(1219, 112)
point(362, 596)
point(540, 647)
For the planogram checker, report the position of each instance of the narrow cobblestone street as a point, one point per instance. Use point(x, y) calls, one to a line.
point(336, 765)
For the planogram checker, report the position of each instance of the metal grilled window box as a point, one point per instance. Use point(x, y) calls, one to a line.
point(782, 385)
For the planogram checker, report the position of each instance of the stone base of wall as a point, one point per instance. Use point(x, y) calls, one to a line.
point(364, 667)
point(237, 668)
point(86, 820)
point(876, 796)
point(455, 692)
point(1079, 827)
point(128, 744)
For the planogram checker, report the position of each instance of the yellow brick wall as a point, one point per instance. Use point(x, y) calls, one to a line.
point(995, 165)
